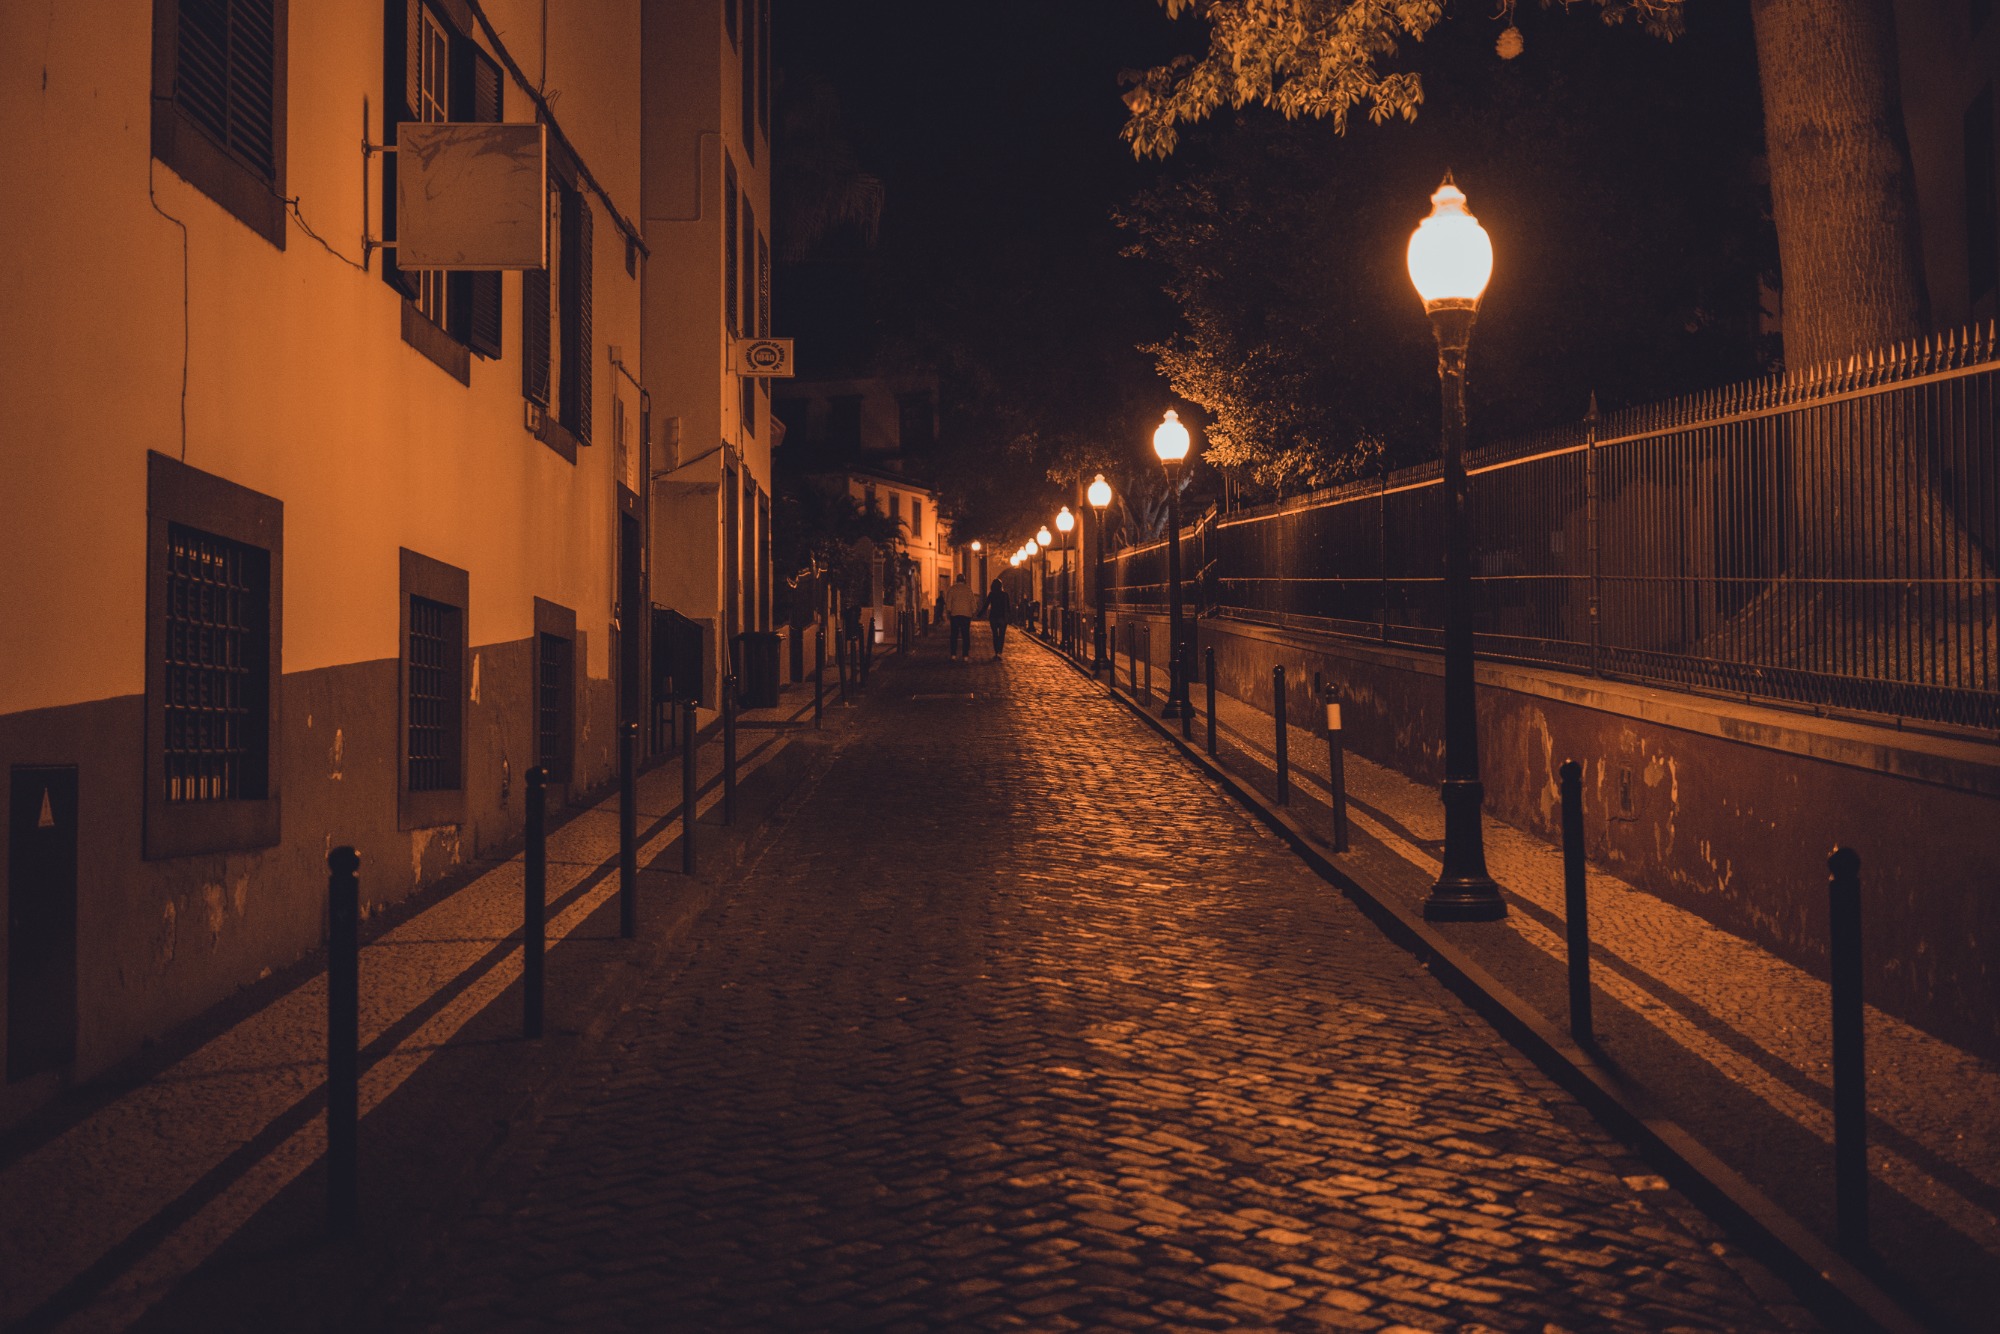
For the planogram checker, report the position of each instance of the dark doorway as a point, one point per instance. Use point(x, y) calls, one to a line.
point(41, 920)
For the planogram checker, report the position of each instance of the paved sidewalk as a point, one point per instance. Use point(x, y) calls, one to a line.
point(1735, 1041)
point(1017, 1022)
point(98, 1220)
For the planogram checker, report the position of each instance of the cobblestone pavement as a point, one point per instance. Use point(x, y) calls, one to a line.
point(1019, 1023)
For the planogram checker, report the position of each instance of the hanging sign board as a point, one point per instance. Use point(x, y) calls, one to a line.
point(471, 195)
point(770, 358)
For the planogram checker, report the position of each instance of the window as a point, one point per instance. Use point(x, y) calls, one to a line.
point(729, 295)
point(1982, 211)
point(916, 517)
point(432, 786)
point(436, 72)
point(764, 66)
point(219, 104)
point(557, 342)
point(749, 80)
point(212, 593)
point(555, 689)
point(895, 507)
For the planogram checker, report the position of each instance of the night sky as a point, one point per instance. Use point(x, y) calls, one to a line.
point(1617, 174)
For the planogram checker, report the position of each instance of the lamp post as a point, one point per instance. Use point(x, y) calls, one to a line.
point(1065, 524)
point(1099, 496)
point(1170, 443)
point(1450, 260)
point(1044, 540)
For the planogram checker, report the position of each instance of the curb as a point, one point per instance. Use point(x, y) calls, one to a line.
point(1829, 1284)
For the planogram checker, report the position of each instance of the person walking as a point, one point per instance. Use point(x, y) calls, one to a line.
point(959, 604)
point(998, 606)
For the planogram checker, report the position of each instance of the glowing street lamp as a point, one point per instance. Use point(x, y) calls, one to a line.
point(1065, 522)
point(1450, 260)
point(1170, 443)
point(1099, 496)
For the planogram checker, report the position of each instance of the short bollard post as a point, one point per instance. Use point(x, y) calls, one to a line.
point(1184, 662)
point(1576, 904)
point(840, 663)
point(1336, 771)
point(729, 751)
point(1132, 655)
point(628, 829)
point(1284, 746)
point(343, 1039)
point(690, 775)
point(1850, 1074)
point(534, 915)
point(1208, 679)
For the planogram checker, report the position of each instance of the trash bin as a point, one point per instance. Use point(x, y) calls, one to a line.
point(757, 665)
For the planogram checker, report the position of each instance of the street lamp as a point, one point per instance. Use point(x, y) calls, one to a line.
point(1450, 260)
point(1099, 496)
point(1065, 523)
point(1044, 540)
point(1170, 443)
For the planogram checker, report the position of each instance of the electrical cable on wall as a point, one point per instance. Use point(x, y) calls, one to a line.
point(151, 161)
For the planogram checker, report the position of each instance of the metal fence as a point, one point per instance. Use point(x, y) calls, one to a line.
point(1824, 538)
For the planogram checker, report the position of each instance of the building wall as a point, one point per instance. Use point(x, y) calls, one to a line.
point(299, 385)
point(692, 124)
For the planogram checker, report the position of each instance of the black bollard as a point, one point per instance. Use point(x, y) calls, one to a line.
point(1336, 771)
point(729, 750)
point(690, 776)
point(343, 1039)
point(1132, 658)
point(628, 829)
point(1185, 657)
point(1208, 676)
point(1576, 903)
point(1850, 1073)
point(1284, 741)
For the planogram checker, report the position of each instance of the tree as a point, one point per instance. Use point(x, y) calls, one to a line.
point(1841, 183)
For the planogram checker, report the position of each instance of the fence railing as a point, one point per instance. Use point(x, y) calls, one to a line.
point(1821, 538)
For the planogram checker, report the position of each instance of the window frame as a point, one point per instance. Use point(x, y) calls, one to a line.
point(434, 581)
point(193, 153)
point(178, 495)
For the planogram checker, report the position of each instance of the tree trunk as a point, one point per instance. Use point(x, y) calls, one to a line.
point(1841, 189)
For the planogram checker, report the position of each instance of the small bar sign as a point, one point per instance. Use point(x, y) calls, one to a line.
point(768, 358)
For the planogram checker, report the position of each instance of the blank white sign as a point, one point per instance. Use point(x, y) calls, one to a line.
point(471, 195)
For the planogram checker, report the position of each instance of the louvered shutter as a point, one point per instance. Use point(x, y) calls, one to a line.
point(535, 335)
point(404, 44)
point(580, 285)
point(482, 296)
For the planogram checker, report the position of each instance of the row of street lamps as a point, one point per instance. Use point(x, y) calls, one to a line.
point(1450, 261)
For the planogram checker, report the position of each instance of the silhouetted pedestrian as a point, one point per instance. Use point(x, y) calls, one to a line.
point(959, 604)
point(998, 606)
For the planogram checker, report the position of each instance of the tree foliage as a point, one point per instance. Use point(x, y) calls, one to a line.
point(1319, 58)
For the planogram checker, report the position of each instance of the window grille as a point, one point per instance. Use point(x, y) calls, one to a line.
point(553, 712)
point(436, 652)
point(224, 75)
point(217, 660)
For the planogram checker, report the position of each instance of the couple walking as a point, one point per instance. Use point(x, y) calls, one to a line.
point(961, 604)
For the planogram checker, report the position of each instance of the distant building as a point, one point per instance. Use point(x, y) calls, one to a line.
point(705, 140)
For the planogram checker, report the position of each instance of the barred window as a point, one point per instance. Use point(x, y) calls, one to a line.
point(436, 652)
point(217, 647)
point(553, 705)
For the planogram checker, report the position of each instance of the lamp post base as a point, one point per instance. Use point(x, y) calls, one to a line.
point(1174, 708)
point(1464, 892)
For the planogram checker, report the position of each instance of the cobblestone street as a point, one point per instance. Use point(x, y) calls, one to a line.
point(1016, 1022)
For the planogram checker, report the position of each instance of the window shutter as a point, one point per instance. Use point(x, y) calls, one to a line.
point(483, 94)
point(535, 335)
point(585, 355)
point(403, 42)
